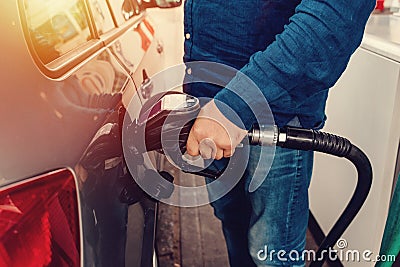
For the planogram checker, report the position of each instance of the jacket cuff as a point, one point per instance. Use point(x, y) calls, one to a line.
point(230, 100)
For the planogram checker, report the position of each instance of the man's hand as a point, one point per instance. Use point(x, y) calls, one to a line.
point(213, 135)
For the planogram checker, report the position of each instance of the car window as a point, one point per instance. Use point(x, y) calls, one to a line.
point(102, 16)
point(56, 27)
point(123, 10)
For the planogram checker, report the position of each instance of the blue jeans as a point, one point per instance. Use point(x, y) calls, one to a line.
point(258, 225)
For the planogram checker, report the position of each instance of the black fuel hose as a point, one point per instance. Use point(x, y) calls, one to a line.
point(308, 139)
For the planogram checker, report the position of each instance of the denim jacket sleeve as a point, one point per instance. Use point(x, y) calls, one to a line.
point(308, 56)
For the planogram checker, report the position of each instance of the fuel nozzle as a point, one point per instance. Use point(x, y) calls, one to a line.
point(165, 122)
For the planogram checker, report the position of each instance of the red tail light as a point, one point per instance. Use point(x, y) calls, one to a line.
point(39, 222)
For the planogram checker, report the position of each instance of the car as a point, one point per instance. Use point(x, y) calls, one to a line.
point(69, 70)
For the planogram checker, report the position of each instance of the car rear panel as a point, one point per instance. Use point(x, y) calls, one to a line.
point(74, 122)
